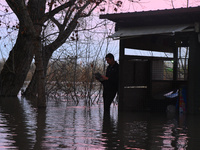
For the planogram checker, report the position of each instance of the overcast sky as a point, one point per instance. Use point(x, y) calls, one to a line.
point(163, 4)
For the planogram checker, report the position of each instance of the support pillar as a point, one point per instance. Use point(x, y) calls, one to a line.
point(175, 67)
point(193, 102)
point(121, 63)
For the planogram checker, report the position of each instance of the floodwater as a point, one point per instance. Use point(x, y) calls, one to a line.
point(65, 126)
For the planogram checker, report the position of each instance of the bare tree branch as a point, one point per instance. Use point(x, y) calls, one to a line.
point(52, 13)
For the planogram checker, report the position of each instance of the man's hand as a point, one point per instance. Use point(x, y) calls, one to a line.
point(104, 77)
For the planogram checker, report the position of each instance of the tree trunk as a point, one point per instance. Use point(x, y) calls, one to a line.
point(31, 90)
point(28, 44)
point(17, 66)
point(40, 78)
point(36, 87)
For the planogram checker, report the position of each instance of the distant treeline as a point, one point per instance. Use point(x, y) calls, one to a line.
point(67, 70)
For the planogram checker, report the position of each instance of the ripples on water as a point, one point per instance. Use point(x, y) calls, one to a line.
point(64, 126)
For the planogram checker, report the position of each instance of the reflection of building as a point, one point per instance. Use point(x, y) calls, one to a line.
point(143, 130)
point(175, 31)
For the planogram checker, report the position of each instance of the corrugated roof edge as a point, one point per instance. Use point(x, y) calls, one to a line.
point(150, 13)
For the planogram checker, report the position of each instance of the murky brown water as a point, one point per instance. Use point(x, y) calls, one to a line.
point(62, 126)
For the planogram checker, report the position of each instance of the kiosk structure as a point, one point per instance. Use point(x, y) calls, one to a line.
point(145, 78)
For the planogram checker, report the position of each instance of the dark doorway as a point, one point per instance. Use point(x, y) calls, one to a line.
point(136, 83)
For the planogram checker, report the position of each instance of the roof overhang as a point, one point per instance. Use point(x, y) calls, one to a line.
point(150, 30)
point(156, 30)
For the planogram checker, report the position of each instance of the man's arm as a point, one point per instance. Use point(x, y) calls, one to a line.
point(104, 77)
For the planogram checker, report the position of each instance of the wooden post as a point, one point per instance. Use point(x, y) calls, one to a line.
point(193, 101)
point(121, 85)
point(175, 67)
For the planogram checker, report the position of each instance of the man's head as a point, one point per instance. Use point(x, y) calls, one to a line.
point(110, 59)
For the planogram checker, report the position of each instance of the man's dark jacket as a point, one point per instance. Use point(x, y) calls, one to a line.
point(112, 73)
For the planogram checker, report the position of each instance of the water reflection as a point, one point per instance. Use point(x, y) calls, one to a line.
point(109, 132)
point(65, 126)
point(16, 131)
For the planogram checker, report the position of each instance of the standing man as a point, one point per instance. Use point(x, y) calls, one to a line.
point(110, 81)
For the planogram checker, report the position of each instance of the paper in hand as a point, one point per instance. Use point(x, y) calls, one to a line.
point(98, 76)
